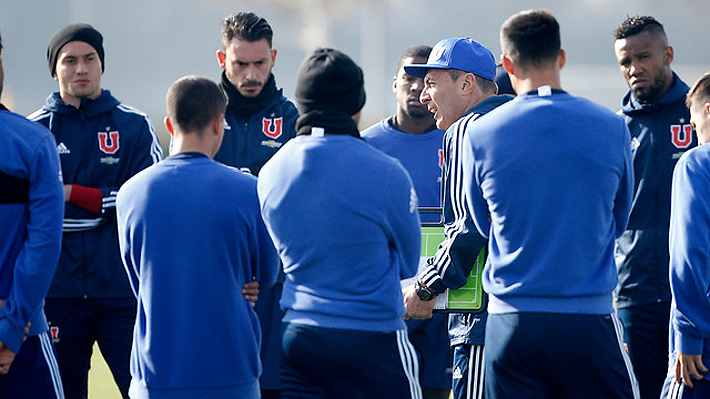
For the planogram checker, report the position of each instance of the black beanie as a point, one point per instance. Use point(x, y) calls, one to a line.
point(81, 32)
point(503, 81)
point(329, 80)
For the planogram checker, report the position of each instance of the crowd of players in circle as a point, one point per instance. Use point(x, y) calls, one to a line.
point(262, 258)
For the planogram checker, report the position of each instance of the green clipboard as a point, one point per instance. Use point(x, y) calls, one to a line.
point(469, 298)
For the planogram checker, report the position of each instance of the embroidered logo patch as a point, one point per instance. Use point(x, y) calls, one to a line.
point(271, 143)
point(272, 127)
point(682, 135)
point(108, 142)
point(54, 332)
point(109, 160)
point(62, 149)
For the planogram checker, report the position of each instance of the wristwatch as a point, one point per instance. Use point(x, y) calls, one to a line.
point(423, 292)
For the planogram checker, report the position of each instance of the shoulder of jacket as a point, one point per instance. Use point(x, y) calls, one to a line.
point(39, 115)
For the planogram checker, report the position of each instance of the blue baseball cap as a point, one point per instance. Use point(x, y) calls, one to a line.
point(461, 53)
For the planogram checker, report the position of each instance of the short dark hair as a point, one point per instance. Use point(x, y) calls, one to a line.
point(246, 26)
point(455, 73)
point(193, 101)
point(417, 51)
point(700, 92)
point(483, 84)
point(0, 44)
point(640, 23)
point(486, 86)
point(531, 37)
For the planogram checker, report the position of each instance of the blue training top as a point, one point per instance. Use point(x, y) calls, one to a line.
point(343, 216)
point(554, 173)
point(31, 210)
point(690, 255)
point(420, 154)
point(191, 235)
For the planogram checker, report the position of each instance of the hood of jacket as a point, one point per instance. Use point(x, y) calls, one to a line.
point(89, 107)
point(630, 104)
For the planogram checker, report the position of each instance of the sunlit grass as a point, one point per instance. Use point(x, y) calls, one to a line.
point(101, 384)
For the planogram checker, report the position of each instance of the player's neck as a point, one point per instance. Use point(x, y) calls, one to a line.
point(193, 143)
point(535, 78)
point(410, 125)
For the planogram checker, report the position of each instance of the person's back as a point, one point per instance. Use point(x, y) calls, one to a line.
point(578, 152)
point(689, 235)
point(194, 218)
point(191, 236)
point(343, 217)
point(323, 183)
point(550, 183)
point(31, 207)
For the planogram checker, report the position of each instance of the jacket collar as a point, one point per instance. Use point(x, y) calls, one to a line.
point(100, 105)
point(677, 92)
point(489, 104)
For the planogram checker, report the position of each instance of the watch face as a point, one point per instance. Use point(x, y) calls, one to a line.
point(423, 293)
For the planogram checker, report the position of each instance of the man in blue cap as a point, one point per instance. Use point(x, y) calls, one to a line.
point(458, 89)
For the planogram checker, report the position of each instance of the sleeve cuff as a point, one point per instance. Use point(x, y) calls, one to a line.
point(431, 278)
point(688, 344)
point(10, 337)
point(86, 197)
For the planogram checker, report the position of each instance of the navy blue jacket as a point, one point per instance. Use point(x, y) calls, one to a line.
point(249, 143)
point(660, 134)
point(457, 254)
point(101, 144)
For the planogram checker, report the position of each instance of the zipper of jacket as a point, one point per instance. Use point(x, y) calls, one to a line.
point(245, 147)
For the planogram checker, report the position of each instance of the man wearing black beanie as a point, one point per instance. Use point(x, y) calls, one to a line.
point(101, 144)
point(329, 91)
point(343, 216)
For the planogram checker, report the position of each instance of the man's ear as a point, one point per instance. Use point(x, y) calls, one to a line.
point(217, 125)
point(169, 125)
point(273, 58)
point(221, 58)
point(468, 83)
point(668, 55)
point(562, 59)
point(507, 64)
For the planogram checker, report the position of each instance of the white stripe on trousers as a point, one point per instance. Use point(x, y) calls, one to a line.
point(410, 363)
point(675, 391)
point(476, 373)
point(619, 328)
point(48, 352)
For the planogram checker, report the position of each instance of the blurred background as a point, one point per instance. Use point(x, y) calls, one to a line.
point(151, 43)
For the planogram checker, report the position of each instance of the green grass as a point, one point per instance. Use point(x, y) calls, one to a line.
point(101, 384)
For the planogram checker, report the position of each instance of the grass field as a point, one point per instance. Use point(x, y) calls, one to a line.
point(101, 384)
